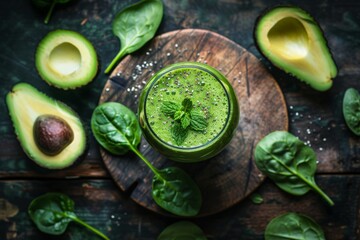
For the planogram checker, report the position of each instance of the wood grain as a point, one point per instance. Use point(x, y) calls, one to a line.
point(230, 176)
point(101, 204)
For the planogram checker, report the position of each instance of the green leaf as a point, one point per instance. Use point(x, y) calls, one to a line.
point(186, 115)
point(115, 127)
point(187, 105)
point(176, 192)
point(198, 121)
point(289, 163)
point(135, 26)
point(293, 226)
point(185, 120)
point(178, 133)
point(169, 108)
point(52, 212)
point(178, 115)
point(182, 230)
point(351, 110)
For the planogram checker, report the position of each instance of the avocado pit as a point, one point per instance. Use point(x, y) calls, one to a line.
point(52, 134)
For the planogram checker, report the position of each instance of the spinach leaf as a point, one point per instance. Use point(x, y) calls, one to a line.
point(116, 128)
point(289, 163)
point(52, 212)
point(135, 26)
point(293, 226)
point(182, 230)
point(176, 192)
point(50, 5)
point(351, 110)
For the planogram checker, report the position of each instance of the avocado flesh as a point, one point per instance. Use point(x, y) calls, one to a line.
point(66, 59)
point(292, 40)
point(26, 104)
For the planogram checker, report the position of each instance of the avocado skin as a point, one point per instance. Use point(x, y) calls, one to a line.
point(319, 86)
point(23, 122)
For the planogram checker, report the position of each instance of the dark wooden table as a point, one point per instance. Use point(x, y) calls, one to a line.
point(315, 117)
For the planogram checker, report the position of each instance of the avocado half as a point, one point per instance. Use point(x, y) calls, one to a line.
point(66, 59)
point(293, 41)
point(26, 104)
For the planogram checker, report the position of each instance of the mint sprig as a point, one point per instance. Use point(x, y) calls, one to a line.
point(186, 118)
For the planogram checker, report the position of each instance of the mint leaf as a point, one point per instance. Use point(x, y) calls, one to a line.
point(198, 121)
point(179, 133)
point(169, 108)
point(187, 105)
point(185, 120)
point(178, 115)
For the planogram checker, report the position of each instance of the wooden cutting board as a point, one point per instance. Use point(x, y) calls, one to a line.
point(230, 176)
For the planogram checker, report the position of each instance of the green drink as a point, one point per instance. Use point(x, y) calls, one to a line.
point(188, 112)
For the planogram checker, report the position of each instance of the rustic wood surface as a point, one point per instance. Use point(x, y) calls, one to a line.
point(315, 117)
point(102, 204)
point(230, 176)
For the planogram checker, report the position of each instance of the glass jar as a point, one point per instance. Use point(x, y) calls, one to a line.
point(211, 96)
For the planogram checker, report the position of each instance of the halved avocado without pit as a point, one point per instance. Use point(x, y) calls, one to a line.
point(293, 41)
point(66, 59)
point(50, 132)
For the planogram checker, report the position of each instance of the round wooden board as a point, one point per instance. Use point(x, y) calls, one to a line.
point(230, 176)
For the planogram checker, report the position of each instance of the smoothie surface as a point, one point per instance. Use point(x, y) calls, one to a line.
point(207, 95)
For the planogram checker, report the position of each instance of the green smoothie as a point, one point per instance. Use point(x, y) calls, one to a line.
point(207, 95)
point(188, 111)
